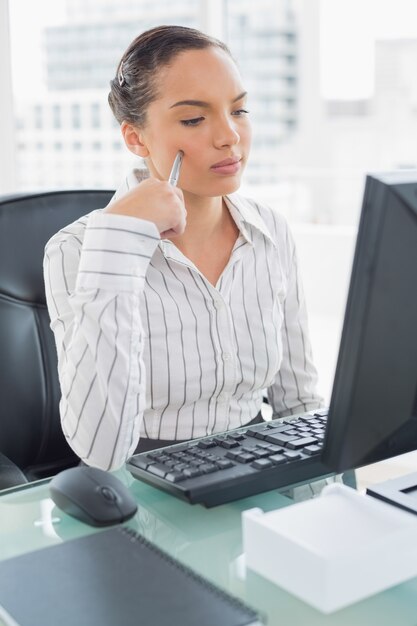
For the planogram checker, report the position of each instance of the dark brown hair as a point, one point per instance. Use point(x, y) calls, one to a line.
point(135, 84)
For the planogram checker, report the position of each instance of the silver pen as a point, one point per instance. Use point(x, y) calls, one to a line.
point(175, 172)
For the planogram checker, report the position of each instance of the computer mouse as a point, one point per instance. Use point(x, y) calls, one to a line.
point(93, 496)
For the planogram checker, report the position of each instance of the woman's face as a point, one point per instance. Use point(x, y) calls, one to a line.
point(201, 110)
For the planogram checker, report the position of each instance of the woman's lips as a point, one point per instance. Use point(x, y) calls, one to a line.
point(228, 166)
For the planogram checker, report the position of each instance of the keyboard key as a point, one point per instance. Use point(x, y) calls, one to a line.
point(310, 450)
point(280, 440)
point(258, 434)
point(277, 459)
point(154, 455)
point(237, 436)
point(226, 443)
point(177, 455)
point(262, 464)
point(171, 463)
point(195, 452)
point(157, 469)
point(140, 462)
point(261, 453)
point(252, 432)
point(208, 457)
point(175, 477)
point(206, 443)
point(292, 454)
point(280, 429)
point(207, 468)
point(245, 457)
point(202, 454)
point(187, 458)
point(322, 413)
point(192, 472)
point(232, 454)
point(264, 445)
point(275, 449)
point(180, 466)
point(300, 443)
point(224, 464)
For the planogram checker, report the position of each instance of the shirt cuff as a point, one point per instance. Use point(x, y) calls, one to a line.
point(116, 252)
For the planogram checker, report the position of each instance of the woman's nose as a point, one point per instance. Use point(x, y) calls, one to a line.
point(225, 134)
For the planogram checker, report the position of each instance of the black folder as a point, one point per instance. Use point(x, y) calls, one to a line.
point(112, 578)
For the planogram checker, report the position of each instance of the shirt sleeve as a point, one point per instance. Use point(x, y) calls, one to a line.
point(294, 389)
point(93, 294)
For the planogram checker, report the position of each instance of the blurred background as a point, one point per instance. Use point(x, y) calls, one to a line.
point(332, 95)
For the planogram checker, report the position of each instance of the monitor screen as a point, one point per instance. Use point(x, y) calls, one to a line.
point(373, 407)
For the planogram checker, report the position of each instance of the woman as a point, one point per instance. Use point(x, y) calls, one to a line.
point(173, 308)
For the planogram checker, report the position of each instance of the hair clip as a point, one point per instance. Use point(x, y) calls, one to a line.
point(120, 77)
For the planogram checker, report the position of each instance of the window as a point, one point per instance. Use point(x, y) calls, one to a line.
point(38, 117)
point(95, 115)
point(76, 115)
point(56, 116)
point(324, 111)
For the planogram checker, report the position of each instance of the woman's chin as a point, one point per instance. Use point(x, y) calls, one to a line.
point(219, 188)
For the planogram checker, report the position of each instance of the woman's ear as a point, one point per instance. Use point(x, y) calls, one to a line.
point(133, 139)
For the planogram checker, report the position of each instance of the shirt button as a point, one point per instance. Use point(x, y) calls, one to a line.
point(226, 356)
point(218, 304)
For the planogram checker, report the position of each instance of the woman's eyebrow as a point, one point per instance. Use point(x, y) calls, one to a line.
point(201, 103)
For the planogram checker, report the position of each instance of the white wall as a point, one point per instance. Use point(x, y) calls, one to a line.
point(325, 255)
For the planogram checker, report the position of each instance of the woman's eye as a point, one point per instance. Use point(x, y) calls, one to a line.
point(193, 122)
point(240, 112)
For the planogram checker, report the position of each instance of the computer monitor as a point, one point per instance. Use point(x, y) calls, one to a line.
point(373, 407)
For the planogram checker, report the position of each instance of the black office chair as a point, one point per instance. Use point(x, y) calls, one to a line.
point(32, 445)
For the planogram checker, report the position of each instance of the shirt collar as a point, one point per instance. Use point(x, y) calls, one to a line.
point(245, 212)
point(132, 180)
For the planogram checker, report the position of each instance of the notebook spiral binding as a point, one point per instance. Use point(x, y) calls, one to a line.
point(136, 537)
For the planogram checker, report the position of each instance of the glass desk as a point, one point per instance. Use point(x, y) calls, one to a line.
point(210, 541)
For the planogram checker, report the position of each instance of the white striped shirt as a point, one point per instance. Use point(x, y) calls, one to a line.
point(148, 347)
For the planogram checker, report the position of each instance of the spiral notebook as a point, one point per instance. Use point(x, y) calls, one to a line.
point(114, 577)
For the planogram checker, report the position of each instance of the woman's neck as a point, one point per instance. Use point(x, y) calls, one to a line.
point(205, 218)
point(209, 236)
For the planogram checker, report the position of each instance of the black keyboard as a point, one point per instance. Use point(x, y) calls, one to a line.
point(237, 463)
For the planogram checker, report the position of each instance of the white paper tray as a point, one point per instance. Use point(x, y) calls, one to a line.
point(333, 550)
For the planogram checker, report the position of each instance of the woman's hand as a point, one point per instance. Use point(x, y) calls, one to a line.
point(156, 201)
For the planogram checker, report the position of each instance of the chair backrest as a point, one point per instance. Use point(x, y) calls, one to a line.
point(30, 430)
